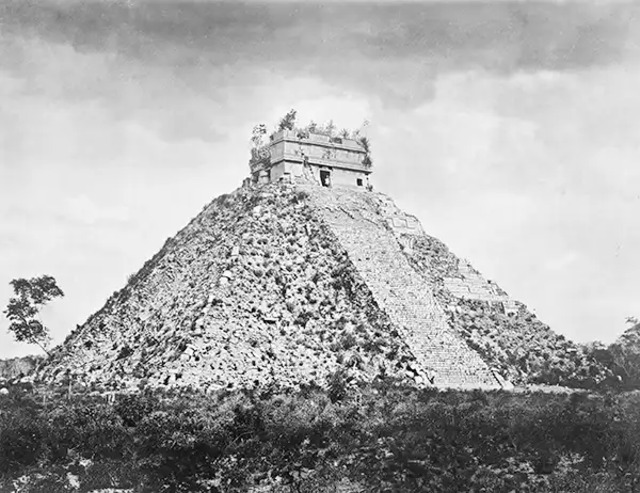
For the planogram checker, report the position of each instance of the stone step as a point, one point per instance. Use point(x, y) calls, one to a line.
point(398, 289)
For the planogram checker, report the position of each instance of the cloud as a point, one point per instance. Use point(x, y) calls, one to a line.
point(393, 51)
point(533, 177)
point(534, 34)
point(106, 86)
point(347, 110)
point(564, 261)
point(82, 209)
point(507, 127)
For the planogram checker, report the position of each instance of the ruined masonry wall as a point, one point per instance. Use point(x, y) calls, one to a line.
point(470, 285)
point(473, 286)
point(398, 289)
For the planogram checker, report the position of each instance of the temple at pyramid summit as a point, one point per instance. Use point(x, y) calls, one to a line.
point(322, 159)
point(305, 271)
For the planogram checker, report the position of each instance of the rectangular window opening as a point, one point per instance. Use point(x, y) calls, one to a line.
point(325, 178)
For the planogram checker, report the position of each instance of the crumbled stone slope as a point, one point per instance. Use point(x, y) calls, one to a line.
point(515, 343)
point(289, 283)
point(399, 290)
point(255, 289)
point(512, 342)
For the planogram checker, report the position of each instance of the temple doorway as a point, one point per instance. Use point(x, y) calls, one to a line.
point(325, 178)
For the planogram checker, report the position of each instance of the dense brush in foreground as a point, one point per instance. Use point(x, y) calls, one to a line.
point(378, 437)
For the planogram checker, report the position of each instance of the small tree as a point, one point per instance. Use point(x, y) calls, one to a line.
point(288, 121)
point(366, 145)
point(257, 136)
point(626, 353)
point(330, 128)
point(23, 309)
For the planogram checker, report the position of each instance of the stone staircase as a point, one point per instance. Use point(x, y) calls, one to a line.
point(398, 289)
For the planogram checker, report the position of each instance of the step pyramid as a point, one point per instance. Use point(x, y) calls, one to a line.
point(407, 298)
point(288, 284)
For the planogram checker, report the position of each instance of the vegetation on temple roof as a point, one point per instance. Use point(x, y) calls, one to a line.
point(259, 145)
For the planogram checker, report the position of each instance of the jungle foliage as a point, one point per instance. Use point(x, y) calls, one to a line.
point(380, 437)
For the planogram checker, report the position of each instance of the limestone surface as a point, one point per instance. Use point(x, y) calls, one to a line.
point(255, 290)
point(288, 284)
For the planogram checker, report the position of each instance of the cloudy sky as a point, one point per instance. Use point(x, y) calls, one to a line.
point(511, 129)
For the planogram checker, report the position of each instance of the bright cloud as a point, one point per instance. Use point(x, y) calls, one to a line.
point(510, 130)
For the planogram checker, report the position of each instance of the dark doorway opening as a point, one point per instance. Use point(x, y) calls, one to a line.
point(359, 182)
point(325, 178)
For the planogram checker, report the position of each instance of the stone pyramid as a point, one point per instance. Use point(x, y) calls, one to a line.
point(289, 283)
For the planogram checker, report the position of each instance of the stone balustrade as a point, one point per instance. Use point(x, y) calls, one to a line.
point(401, 292)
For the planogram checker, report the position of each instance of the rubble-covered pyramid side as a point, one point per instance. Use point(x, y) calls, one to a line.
point(254, 290)
point(406, 296)
point(510, 338)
